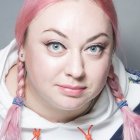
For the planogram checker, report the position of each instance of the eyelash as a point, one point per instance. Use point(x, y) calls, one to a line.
point(49, 45)
point(101, 47)
point(95, 46)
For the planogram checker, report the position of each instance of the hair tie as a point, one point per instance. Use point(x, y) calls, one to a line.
point(122, 103)
point(18, 101)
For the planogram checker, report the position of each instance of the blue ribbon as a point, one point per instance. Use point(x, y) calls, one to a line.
point(122, 103)
point(18, 101)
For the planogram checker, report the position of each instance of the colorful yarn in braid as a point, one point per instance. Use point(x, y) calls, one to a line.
point(131, 126)
point(11, 126)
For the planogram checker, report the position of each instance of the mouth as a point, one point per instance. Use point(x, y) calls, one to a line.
point(70, 90)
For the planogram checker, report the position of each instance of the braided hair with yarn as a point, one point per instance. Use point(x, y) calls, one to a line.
point(131, 125)
point(11, 126)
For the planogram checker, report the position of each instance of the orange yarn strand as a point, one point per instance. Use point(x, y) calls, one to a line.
point(88, 135)
point(36, 134)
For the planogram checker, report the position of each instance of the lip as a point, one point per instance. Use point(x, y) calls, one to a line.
point(71, 90)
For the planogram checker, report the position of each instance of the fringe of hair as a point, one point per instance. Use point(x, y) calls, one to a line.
point(11, 129)
point(131, 126)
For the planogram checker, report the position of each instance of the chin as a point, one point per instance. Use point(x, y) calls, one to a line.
point(71, 105)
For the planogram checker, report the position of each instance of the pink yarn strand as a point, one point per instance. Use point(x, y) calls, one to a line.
point(131, 124)
point(11, 126)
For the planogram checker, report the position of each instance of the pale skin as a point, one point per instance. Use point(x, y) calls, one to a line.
point(65, 48)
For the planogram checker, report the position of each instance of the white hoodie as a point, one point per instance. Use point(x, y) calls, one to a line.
point(105, 116)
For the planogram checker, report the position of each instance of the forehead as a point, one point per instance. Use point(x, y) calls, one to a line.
point(72, 15)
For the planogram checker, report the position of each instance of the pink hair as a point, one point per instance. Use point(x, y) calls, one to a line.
point(29, 10)
point(131, 126)
point(11, 128)
point(108, 7)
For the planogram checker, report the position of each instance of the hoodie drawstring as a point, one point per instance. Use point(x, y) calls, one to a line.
point(36, 133)
point(88, 136)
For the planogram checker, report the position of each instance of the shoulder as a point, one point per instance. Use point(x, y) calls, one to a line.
point(133, 76)
point(8, 48)
point(133, 95)
point(8, 56)
point(8, 52)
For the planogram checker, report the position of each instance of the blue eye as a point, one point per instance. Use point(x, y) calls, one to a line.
point(55, 47)
point(95, 49)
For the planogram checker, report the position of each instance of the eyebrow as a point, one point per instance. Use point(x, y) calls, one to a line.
point(97, 36)
point(88, 40)
point(57, 32)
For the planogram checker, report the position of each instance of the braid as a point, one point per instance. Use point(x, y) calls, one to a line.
point(131, 126)
point(11, 126)
point(20, 79)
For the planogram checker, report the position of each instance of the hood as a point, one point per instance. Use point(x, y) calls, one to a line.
point(102, 110)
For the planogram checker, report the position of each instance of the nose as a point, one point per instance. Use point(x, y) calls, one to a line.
point(75, 67)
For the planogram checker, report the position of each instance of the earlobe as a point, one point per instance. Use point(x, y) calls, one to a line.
point(21, 54)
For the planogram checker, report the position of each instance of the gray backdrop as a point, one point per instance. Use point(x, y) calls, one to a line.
point(129, 19)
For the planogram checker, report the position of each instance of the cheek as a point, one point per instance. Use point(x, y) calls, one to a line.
point(43, 68)
point(98, 72)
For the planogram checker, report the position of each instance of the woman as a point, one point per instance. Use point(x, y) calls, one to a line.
point(68, 77)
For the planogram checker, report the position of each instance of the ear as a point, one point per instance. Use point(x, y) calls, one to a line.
point(111, 72)
point(21, 54)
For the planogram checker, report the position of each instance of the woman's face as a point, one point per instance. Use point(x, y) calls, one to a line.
point(68, 52)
